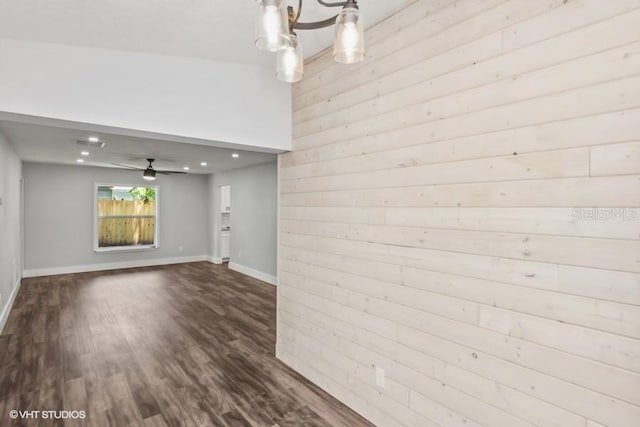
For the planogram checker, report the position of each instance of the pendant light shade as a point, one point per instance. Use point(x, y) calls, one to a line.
point(349, 44)
point(275, 33)
point(290, 62)
point(272, 25)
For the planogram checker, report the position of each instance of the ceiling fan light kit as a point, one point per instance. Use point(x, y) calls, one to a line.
point(149, 174)
point(275, 33)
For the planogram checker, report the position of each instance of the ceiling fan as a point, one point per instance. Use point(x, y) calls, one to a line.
point(149, 173)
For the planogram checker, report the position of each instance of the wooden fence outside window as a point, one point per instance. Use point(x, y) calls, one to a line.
point(126, 223)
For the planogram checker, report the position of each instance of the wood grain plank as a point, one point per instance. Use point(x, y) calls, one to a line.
point(411, 236)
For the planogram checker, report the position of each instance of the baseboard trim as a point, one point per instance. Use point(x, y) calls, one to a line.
point(7, 309)
point(39, 272)
point(272, 280)
point(214, 260)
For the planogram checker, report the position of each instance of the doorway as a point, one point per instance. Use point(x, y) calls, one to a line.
point(225, 222)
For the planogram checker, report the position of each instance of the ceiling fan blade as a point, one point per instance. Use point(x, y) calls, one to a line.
point(127, 167)
point(170, 172)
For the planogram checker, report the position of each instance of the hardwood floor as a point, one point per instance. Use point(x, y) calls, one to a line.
point(181, 345)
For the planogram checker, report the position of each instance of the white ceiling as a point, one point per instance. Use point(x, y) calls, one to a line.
point(221, 30)
point(48, 144)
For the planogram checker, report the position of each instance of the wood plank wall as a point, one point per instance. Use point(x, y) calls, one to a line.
point(437, 222)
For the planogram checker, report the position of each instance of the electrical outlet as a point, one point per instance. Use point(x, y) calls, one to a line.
point(380, 377)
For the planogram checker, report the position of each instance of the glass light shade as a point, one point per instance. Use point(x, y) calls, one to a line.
point(290, 62)
point(272, 26)
point(348, 47)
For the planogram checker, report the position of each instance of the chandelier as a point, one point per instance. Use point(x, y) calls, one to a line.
point(275, 33)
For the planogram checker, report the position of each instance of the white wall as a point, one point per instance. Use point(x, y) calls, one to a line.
point(10, 239)
point(253, 218)
point(186, 97)
point(437, 222)
point(59, 219)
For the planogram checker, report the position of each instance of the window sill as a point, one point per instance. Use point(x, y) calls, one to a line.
point(126, 249)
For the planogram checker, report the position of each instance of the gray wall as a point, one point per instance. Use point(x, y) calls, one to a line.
point(253, 216)
point(59, 217)
point(10, 250)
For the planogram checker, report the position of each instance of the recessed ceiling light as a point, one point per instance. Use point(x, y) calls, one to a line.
point(186, 168)
point(84, 153)
point(235, 155)
point(203, 163)
point(80, 160)
point(94, 139)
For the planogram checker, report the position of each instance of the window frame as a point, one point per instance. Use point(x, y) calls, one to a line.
point(136, 248)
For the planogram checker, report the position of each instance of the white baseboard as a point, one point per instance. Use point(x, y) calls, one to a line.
point(214, 260)
point(253, 273)
point(7, 308)
point(38, 272)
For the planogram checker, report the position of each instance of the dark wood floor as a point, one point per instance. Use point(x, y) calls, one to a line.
point(182, 345)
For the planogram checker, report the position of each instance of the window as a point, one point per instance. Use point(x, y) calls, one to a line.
point(126, 217)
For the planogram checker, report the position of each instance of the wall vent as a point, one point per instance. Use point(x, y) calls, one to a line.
point(90, 144)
